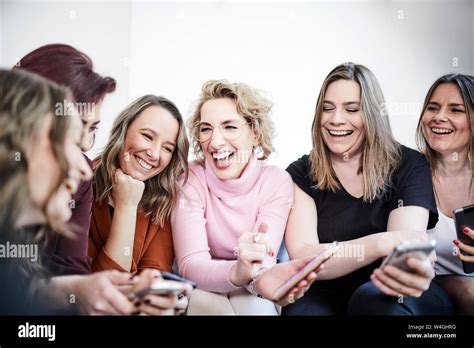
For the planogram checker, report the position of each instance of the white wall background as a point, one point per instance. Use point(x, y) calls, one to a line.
point(283, 48)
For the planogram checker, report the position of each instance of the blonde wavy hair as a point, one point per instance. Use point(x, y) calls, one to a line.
point(380, 154)
point(251, 105)
point(161, 190)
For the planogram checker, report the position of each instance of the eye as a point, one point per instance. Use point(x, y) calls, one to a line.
point(431, 108)
point(456, 110)
point(149, 137)
point(352, 110)
point(327, 108)
point(204, 130)
point(168, 149)
point(231, 127)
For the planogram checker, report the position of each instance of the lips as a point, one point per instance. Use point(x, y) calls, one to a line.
point(339, 133)
point(441, 131)
point(144, 164)
point(222, 158)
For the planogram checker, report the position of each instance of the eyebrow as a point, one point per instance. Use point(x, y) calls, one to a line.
point(224, 122)
point(450, 104)
point(156, 134)
point(345, 103)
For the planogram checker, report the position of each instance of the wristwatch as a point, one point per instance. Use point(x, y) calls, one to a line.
point(251, 285)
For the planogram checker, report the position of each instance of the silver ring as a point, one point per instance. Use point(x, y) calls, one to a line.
point(256, 238)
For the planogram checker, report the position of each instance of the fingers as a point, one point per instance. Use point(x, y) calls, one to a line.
point(469, 232)
point(403, 280)
point(379, 284)
point(118, 278)
point(116, 302)
point(466, 258)
point(466, 248)
point(159, 305)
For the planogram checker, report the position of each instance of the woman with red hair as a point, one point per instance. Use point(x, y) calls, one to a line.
point(72, 68)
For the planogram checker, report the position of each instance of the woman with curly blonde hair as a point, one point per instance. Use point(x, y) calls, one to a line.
point(231, 216)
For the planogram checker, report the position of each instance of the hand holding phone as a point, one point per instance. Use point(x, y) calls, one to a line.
point(464, 217)
point(419, 249)
point(305, 271)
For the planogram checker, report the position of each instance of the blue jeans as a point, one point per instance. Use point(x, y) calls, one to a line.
point(367, 299)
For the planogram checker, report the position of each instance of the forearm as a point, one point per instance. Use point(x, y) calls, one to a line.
point(354, 254)
point(119, 244)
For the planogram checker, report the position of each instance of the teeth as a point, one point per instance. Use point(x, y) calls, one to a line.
point(221, 155)
point(441, 131)
point(144, 164)
point(339, 132)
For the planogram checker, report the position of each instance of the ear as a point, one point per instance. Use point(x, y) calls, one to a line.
point(255, 140)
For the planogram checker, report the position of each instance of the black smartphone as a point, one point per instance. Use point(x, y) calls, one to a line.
point(464, 217)
point(172, 276)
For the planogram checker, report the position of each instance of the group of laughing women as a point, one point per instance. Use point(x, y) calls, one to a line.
point(108, 227)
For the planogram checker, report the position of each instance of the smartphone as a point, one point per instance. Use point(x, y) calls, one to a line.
point(419, 249)
point(172, 276)
point(464, 217)
point(160, 288)
point(303, 273)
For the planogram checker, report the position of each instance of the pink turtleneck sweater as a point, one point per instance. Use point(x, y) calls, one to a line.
point(211, 214)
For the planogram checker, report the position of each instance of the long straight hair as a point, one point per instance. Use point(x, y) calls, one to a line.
point(465, 85)
point(161, 190)
point(380, 153)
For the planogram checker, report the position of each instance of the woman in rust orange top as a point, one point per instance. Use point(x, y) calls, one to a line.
point(135, 186)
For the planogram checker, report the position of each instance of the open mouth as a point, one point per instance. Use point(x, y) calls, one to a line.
point(340, 133)
point(145, 165)
point(223, 156)
point(441, 131)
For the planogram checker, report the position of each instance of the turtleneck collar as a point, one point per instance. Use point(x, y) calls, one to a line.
point(234, 187)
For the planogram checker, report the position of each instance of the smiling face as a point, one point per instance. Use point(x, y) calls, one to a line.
point(445, 122)
point(149, 143)
point(227, 158)
point(342, 126)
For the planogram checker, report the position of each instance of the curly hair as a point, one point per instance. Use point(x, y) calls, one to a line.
point(251, 105)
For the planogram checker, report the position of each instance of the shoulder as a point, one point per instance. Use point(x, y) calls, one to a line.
point(275, 173)
point(301, 164)
point(409, 160)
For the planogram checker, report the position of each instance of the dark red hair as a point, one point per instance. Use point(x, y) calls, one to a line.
point(67, 66)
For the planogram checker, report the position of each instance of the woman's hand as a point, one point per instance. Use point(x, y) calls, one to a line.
point(154, 304)
point(272, 279)
point(394, 282)
point(98, 293)
point(126, 191)
point(466, 248)
point(252, 249)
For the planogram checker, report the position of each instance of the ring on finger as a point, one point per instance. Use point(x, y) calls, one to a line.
point(256, 238)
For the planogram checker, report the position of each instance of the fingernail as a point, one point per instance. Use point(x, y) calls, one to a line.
point(272, 253)
point(466, 230)
point(147, 301)
point(456, 242)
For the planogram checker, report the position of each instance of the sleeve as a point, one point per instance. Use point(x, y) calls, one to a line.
point(300, 172)
point(416, 189)
point(101, 261)
point(69, 255)
point(279, 196)
point(191, 245)
point(159, 254)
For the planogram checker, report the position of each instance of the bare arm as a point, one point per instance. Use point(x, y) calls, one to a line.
point(302, 239)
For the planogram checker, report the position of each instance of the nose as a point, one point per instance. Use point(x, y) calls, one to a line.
point(440, 115)
point(153, 152)
point(217, 139)
point(86, 141)
point(337, 118)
